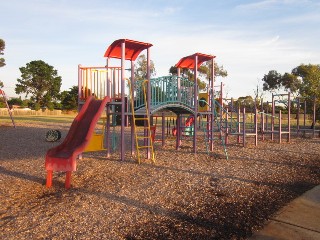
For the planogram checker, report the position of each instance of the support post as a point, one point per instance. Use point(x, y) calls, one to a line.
point(272, 118)
point(304, 114)
point(298, 115)
point(289, 117)
point(195, 103)
point(108, 145)
point(212, 104)
point(256, 127)
point(123, 48)
point(49, 178)
point(239, 124)
point(163, 129)
point(67, 184)
point(280, 126)
point(148, 101)
point(244, 127)
point(227, 129)
point(132, 84)
point(314, 118)
point(262, 124)
point(178, 135)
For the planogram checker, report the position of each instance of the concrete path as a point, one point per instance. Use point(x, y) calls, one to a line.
point(299, 220)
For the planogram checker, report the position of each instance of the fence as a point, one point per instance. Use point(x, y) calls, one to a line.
point(27, 111)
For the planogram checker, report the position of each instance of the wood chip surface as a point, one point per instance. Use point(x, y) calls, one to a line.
point(182, 196)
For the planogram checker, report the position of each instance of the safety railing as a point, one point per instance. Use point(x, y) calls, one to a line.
point(166, 90)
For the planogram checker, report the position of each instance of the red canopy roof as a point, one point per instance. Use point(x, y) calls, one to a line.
point(132, 51)
point(189, 61)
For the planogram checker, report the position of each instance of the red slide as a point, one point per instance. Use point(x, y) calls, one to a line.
point(63, 157)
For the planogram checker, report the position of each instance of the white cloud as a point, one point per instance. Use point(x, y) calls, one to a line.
point(267, 4)
point(258, 5)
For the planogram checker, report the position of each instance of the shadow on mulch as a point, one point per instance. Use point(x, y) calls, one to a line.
point(23, 176)
point(25, 143)
point(218, 219)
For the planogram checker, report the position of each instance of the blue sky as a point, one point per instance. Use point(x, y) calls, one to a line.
point(249, 38)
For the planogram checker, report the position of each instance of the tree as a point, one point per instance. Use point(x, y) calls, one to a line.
point(271, 81)
point(2, 47)
point(15, 101)
point(248, 102)
point(310, 80)
point(303, 81)
point(140, 68)
point(40, 80)
point(69, 99)
point(2, 61)
point(204, 72)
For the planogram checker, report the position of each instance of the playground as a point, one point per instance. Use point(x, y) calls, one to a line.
point(154, 159)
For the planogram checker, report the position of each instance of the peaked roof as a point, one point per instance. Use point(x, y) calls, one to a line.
point(132, 51)
point(189, 61)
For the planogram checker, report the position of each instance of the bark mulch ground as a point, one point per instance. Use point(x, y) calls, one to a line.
point(182, 196)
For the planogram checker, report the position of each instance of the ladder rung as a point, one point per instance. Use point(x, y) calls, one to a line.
point(141, 137)
point(144, 147)
point(141, 119)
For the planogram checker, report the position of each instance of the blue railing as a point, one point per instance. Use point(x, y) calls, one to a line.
point(164, 90)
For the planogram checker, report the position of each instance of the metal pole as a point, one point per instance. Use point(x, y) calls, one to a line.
point(272, 118)
point(108, 145)
point(280, 128)
point(132, 84)
point(239, 124)
point(148, 101)
point(304, 114)
point(195, 103)
point(211, 103)
point(178, 133)
point(289, 117)
point(262, 124)
point(298, 115)
point(123, 48)
point(79, 86)
point(163, 128)
point(314, 118)
point(256, 127)
point(244, 127)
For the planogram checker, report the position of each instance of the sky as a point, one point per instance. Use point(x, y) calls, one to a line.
point(249, 38)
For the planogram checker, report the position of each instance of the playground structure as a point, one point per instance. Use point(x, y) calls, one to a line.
point(269, 121)
point(169, 93)
point(135, 104)
point(3, 94)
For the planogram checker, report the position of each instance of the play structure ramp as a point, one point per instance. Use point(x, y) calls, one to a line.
point(63, 157)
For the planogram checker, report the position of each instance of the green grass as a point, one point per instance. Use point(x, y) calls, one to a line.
point(42, 119)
